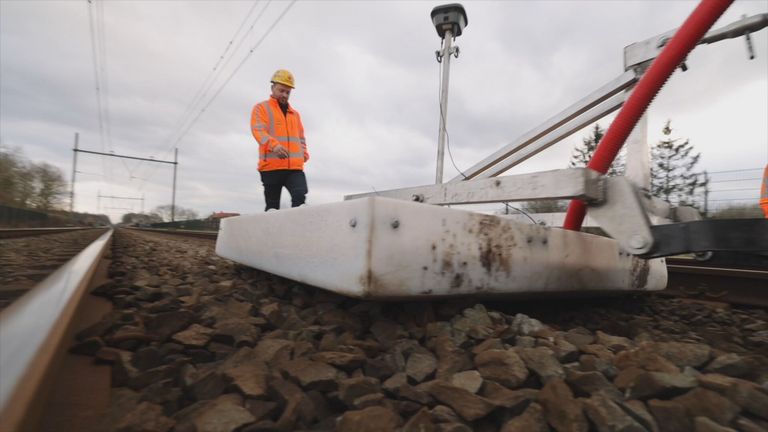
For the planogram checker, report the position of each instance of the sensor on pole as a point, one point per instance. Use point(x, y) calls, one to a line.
point(449, 21)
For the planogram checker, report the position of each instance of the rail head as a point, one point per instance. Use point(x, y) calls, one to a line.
point(179, 232)
point(33, 328)
point(7, 233)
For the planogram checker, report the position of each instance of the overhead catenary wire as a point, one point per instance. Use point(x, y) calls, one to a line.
point(202, 91)
point(102, 38)
point(96, 73)
point(232, 74)
point(229, 78)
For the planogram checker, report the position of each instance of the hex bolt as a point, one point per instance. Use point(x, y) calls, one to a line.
point(637, 242)
point(353, 222)
point(395, 223)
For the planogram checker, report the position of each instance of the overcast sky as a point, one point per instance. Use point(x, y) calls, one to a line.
point(366, 87)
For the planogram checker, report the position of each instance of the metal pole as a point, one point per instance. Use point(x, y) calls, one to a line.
point(173, 197)
point(72, 186)
point(706, 195)
point(446, 61)
point(142, 203)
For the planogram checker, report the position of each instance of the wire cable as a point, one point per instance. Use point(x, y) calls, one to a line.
point(229, 78)
point(202, 91)
point(533, 221)
point(232, 74)
point(215, 71)
point(442, 116)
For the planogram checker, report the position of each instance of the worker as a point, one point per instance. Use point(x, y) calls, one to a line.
point(277, 127)
point(764, 192)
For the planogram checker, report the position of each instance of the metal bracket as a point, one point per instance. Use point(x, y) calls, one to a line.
point(645, 51)
point(623, 217)
point(743, 235)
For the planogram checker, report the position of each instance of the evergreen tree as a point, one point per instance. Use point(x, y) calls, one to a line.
point(581, 155)
point(673, 175)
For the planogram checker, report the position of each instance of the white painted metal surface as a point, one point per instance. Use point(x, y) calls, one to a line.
point(581, 183)
point(388, 249)
point(32, 327)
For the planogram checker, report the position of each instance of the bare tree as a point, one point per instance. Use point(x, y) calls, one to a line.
point(16, 187)
point(181, 213)
point(49, 186)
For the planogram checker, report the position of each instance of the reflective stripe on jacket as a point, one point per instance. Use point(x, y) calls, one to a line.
point(764, 192)
point(271, 127)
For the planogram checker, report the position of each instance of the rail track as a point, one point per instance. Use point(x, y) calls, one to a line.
point(7, 233)
point(193, 337)
point(28, 256)
point(704, 281)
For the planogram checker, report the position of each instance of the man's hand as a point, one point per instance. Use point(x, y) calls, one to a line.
point(280, 151)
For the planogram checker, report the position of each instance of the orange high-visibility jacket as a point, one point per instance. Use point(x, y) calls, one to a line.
point(271, 127)
point(764, 192)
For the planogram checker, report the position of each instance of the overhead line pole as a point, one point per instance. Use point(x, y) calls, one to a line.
point(174, 162)
point(173, 198)
point(72, 186)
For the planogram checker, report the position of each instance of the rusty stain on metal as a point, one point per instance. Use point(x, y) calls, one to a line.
point(639, 273)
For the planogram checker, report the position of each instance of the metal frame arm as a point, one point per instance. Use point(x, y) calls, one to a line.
point(580, 183)
point(643, 51)
point(578, 109)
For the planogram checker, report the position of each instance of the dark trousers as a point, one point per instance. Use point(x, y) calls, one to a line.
point(274, 181)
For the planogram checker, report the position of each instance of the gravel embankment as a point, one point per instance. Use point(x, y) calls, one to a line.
point(200, 344)
point(28, 260)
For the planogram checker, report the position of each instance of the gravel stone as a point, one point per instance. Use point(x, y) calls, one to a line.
point(223, 414)
point(648, 385)
point(706, 403)
point(468, 380)
point(420, 365)
point(562, 411)
point(467, 405)
point(312, 375)
point(542, 361)
point(372, 419)
point(531, 420)
point(703, 424)
point(608, 416)
point(671, 416)
point(502, 366)
point(146, 417)
point(195, 336)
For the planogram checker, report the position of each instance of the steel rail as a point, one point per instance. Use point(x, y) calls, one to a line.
point(729, 285)
point(33, 330)
point(6, 233)
point(184, 233)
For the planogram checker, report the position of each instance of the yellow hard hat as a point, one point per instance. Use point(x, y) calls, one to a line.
point(284, 77)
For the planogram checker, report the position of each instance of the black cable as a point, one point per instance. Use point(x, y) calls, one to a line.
point(442, 116)
point(523, 212)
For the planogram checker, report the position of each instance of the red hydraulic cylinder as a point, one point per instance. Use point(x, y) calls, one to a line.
point(684, 40)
